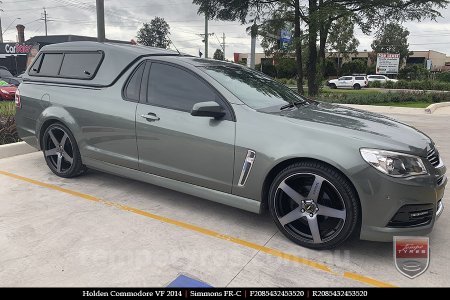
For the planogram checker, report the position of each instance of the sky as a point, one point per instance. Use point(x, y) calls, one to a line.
point(124, 18)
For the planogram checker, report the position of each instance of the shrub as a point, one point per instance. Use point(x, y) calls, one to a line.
point(269, 70)
point(445, 77)
point(356, 66)
point(286, 68)
point(281, 80)
point(418, 85)
point(375, 84)
point(376, 98)
point(413, 72)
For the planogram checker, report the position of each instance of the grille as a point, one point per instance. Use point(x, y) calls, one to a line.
point(433, 156)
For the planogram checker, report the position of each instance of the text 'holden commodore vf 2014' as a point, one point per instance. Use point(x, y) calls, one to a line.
point(229, 134)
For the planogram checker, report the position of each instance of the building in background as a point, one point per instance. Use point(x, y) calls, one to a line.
point(14, 56)
point(435, 60)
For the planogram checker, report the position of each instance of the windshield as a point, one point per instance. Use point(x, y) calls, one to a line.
point(253, 88)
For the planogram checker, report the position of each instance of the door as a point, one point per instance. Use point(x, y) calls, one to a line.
point(106, 120)
point(345, 81)
point(174, 144)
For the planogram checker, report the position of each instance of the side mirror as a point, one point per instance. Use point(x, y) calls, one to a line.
point(208, 109)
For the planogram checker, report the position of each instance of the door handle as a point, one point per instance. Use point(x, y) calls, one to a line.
point(151, 117)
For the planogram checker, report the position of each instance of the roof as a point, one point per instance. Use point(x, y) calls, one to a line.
point(132, 50)
point(54, 39)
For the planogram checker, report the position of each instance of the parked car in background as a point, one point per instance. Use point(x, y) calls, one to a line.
point(6, 76)
point(7, 91)
point(229, 134)
point(355, 81)
point(16, 81)
point(380, 78)
point(4, 72)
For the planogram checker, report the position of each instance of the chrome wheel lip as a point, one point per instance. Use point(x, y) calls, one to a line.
point(311, 218)
point(58, 154)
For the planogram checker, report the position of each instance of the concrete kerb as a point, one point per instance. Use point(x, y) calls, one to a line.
point(15, 149)
point(431, 108)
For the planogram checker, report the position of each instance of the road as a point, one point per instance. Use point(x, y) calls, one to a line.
point(103, 230)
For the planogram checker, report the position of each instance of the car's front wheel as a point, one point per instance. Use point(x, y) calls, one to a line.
point(61, 151)
point(333, 86)
point(314, 205)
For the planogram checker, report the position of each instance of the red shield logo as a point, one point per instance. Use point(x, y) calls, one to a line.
point(411, 255)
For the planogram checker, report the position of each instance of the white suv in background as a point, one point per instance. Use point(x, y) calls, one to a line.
point(355, 81)
point(380, 78)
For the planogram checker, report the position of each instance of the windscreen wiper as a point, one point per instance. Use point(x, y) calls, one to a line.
point(292, 104)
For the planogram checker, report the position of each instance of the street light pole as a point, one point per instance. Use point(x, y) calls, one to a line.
point(100, 4)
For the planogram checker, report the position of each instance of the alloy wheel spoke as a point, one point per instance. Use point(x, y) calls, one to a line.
point(316, 187)
point(64, 139)
point(51, 152)
point(314, 227)
point(67, 158)
point(54, 140)
point(291, 193)
point(331, 212)
point(291, 217)
point(58, 165)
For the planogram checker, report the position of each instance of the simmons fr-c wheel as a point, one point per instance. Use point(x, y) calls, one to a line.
point(314, 205)
point(61, 151)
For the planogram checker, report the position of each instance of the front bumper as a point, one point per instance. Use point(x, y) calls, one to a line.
point(384, 198)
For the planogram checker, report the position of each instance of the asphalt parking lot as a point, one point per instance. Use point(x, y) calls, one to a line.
point(103, 230)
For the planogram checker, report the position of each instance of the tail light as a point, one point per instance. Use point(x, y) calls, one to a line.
point(17, 99)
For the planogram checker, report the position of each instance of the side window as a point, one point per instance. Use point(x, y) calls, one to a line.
point(51, 62)
point(80, 65)
point(175, 88)
point(359, 78)
point(133, 86)
point(36, 65)
point(347, 78)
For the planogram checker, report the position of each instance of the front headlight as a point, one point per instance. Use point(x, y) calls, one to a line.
point(4, 91)
point(393, 163)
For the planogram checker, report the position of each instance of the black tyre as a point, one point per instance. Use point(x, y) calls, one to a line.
point(61, 151)
point(333, 86)
point(314, 205)
point(357, 86)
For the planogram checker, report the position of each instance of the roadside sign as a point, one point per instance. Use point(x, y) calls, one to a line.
point(285, 38)
point(387, 63)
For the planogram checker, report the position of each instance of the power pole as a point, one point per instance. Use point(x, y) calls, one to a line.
point(1, 30)
point(206, 35)
point(254, 33)
point(45, 21)
point(223, 46)
point(100, 4)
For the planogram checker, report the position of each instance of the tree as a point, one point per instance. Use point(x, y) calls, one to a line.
point(155, 34)
point(392, 38)
point(342, 40)
point(319, 16)
point(218, 54)
point(356, 66)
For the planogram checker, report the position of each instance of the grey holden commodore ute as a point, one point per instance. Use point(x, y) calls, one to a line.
point(229, 134)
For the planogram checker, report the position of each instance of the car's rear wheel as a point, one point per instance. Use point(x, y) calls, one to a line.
point(61, 151)
point(314, 205)
point(357, 86)
point(333, 86)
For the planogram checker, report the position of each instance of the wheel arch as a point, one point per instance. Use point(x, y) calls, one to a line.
point(54, 115)
point(275, 170)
